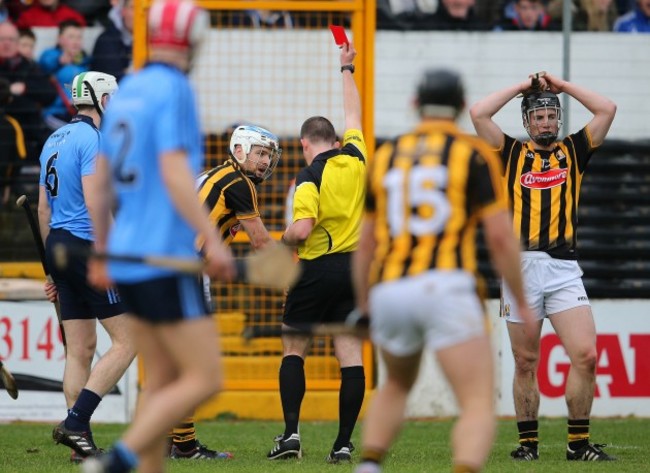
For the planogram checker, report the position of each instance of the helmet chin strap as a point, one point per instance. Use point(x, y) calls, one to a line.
point(94, 98)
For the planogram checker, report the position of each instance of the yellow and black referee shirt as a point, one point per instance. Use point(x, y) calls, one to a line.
point(426, 192)
point(543, 189)
point(229, 196)
point(331, 190)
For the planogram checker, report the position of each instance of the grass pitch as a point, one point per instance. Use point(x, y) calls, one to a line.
point(422, 447)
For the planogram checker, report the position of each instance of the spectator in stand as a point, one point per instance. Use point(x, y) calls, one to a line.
point(48, 13)
point(587, 15)
point(529, 15)
point(26, 43)
point(63, 62)
point(30, 89)
point(453, 15)
point(94, 11)
point(112, 53)
point(12, 144)
point(595, 15)
point(403, 15)
point(635, 21)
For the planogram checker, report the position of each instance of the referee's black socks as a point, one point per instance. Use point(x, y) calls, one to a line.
point(353, 388)
point(292, 391)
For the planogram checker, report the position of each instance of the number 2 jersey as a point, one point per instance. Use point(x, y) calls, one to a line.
point(427, 191)
point(153, 113)
point(543, 189)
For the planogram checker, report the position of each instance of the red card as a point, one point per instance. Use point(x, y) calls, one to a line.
point(340, 37)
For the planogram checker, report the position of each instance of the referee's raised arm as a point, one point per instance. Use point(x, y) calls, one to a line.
point(351, 99)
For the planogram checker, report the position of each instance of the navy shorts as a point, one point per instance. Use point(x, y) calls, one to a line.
point(324, 292)
point(166, 299)
point(78, 299)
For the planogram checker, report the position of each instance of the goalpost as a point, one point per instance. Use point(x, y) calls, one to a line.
point(275, 77)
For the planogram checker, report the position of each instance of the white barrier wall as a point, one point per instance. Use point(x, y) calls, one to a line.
point(612, 64)
point(31, 349)
point(623, 373)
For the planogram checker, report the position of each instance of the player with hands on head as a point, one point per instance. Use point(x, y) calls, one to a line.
point(327, 208)
point(68, 193)
point(229, 193)
point(542, 177)
point(414, 271)
point(152, 171)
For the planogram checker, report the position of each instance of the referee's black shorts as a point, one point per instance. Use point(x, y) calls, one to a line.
point(324, 292)
point(77, 298)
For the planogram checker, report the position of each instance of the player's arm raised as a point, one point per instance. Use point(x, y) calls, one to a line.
point(483, 111)
point(351, 99)
point(601, 107)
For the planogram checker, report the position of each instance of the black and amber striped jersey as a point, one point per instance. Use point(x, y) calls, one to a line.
point(331, 191)
point(426, 193)
point(229, 196)
point(543, 189)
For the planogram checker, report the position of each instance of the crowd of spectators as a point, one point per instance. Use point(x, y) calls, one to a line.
point(513, 15)
point(34, 91)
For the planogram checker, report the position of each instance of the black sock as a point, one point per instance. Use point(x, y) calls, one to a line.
point(578, 433)
point(292, 391)
point(184, 435)
point(79, 416)
point(353, 388)
point(528, 433)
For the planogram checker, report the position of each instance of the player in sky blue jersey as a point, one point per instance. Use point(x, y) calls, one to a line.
point(67, 194)
point(149, 159)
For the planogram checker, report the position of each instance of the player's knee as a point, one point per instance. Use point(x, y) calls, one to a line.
point(81, 351)
point(585, 359)
point(525, 360)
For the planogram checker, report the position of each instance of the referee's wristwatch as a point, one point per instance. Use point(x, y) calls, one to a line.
point(348, 67)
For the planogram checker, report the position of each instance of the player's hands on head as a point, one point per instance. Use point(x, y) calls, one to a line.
point(553, 83)
point(219, 262)
point(50, 291)
point(348, 53)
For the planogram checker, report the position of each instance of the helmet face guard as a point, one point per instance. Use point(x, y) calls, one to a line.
point(549, 103)
point(248, 136)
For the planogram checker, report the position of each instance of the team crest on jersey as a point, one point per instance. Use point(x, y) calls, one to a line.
point(234, 229)
point(544, 180)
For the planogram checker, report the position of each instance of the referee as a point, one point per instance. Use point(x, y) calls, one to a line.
point(327, 209)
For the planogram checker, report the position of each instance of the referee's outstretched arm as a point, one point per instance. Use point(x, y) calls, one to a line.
point(351, 99)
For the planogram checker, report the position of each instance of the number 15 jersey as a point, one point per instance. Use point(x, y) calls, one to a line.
point(427, 191)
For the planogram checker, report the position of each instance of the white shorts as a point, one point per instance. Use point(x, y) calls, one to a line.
point(551, 285)
point(437, 309)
